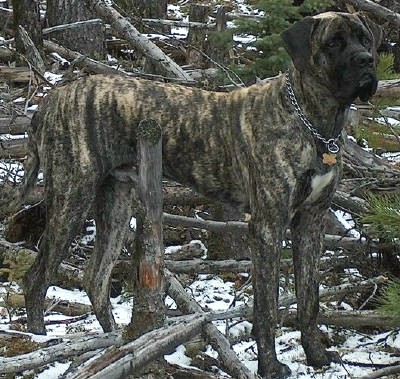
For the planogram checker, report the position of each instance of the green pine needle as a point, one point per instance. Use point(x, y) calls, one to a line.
point(383, 217)
point(389, 301)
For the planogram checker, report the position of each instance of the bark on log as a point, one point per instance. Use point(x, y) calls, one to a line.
point(14, 148)
point(377, 10)
point(344, 319)
point(16, 75)
point(132, 35)
point(14, 124)
point(61, 351)
point(148, 256)
point(388, 88)
point(382, 372)
point(121, 361)
point(218, 341)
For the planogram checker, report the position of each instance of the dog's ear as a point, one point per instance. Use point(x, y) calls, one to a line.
point(297, 40)
point(373, 27)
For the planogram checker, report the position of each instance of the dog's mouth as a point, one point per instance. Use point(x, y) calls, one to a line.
point(367, 86)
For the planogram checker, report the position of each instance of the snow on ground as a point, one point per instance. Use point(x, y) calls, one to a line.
point(359, 351)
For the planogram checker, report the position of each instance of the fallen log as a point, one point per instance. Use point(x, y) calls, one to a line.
point(16, 75)
point(339, 291)
point(119, 362)
point(218, 341)
point(15, 148)
point(346, 319)
point(388, 88)
point(41, 357)
point(137, 40)
point(378, 10)
point(14, 124)
point(382, 372)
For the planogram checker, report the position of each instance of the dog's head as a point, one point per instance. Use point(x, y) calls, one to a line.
point(339, 49)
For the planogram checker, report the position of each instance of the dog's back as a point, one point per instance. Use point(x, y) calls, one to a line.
point(90, 125)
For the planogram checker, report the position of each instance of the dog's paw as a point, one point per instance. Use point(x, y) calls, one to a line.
point(320, 357)
point(276, 370)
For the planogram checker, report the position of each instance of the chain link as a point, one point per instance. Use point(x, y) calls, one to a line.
point(331, 143)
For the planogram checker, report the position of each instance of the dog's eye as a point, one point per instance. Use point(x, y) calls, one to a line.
point(333, 43)
point(365, 41)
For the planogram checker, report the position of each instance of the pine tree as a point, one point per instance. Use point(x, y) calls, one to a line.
point(270, 56)
point(383, 221)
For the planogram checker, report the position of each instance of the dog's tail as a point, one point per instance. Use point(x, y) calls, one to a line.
point(32, 162)
point(13, 198)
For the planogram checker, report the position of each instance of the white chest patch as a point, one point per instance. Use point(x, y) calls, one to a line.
point(318, 183)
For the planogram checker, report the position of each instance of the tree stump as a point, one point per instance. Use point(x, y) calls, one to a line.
point(148, 263)
point(197, 37)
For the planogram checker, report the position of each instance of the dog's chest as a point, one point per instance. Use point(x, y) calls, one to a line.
point(319, 183)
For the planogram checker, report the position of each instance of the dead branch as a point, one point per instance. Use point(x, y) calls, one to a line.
point(285, 301)
point(72, 25)
point(176, 23)
point(41, 357)
point(218, 341)
point(213, 226)
point(345, 319)
point(382, 372)
point(120, 361)
point(90, 64)
point(377, 10)
point(137, 40)
point(32, 53)
point(353, 204)
point(338, 291)
point(199, 266)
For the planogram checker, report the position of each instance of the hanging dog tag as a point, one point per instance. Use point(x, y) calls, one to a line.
point(329, 159)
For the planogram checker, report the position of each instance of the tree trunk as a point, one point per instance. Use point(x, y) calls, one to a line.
point(88, 39)
point(26, 14)
point(148, 264)
point(197, 38)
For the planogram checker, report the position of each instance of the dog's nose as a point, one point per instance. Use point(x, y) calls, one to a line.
point(363, 59)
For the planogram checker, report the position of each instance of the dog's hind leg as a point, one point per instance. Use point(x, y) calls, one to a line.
point(113, 210)
point(307, 234)
point(68, 198)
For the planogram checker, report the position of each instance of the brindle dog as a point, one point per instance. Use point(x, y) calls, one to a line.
point(275, 146)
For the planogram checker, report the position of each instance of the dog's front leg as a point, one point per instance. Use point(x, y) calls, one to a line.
point(307, 233)
point(266, 241)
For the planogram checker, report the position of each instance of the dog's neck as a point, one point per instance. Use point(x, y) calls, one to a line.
point(325, 113)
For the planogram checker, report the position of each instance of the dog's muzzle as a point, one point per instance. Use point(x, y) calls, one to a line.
point(367, 80)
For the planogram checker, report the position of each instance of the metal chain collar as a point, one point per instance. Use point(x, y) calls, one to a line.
point(331, 143)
